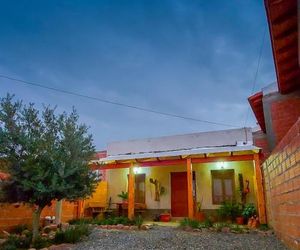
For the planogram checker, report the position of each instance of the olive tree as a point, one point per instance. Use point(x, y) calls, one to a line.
point(47, 156)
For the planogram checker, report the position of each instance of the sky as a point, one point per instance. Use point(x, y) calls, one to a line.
point(192, 58)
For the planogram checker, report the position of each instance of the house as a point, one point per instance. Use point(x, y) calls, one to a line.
point(277, 110)
point(206, 167)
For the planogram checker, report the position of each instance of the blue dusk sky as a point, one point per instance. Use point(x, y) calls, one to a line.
point(186, 57)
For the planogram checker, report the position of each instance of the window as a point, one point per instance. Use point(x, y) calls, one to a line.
point(222, 185)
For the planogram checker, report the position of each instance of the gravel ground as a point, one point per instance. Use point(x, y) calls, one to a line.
point(172, 238)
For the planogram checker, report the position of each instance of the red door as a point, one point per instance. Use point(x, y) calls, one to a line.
point(179, 200)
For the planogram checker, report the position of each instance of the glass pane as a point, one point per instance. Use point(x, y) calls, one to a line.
point(228, 188)
point(218, 193)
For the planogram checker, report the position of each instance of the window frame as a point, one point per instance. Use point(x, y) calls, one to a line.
point(223, 175)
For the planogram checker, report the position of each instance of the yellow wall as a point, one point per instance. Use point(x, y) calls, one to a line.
point(117, 182)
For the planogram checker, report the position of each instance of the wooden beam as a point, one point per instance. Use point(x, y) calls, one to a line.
point(189, 173)
point(260, 196)
point(131, 181)
point(162, 163)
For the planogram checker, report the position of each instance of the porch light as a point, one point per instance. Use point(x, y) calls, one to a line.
point(136, 170)
point(221, 164)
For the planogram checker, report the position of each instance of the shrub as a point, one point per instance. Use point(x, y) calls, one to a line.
point(81, 221)
point(186, 222)
point(72, 234)
point(249, 210)
point(40, 242)
point(229, 210)
point(15, 242)
point(18, 229)
point(138, 221)
point(219, 225)
point(264, 227)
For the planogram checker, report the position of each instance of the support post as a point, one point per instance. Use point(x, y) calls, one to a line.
point(131, 180)
point(189, 173)
point(260, 191)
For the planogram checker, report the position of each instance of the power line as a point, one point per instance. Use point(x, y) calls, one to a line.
point(256, 72)
point(113, 102)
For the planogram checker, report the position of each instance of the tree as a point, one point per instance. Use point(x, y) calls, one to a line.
point(47, 156)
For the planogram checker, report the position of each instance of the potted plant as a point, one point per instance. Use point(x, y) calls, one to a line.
point(165, 217)
point(249, 211)
point(199, 215)
point(239, 218)
point(229, 210)
point(124, 196)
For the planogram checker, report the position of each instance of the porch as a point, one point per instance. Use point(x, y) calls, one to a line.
point(170, 178)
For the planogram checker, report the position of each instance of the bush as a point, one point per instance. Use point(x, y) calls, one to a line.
point(41, 242)
point(18, 229)
point(229, 210)
point(82, 221)
point(72, 234)
point(15, 241)
point(186, 222)
point(138, 221)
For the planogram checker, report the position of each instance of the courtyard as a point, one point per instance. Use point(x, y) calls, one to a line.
point(160, 237)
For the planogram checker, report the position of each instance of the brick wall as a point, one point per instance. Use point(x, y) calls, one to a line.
point(260, 140)
point(282, 186)
point(285, 113)
point(11, 216)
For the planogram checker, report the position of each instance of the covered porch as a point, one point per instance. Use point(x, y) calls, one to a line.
point(208, 175)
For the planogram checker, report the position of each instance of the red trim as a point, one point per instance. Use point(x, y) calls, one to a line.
point(163, 163)
point(256, 104)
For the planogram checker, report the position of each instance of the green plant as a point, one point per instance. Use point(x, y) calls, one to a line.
point(72, 234)
point(229, 210)
point(138, 221)
point(40, 242)
point(123, 195)
point(249, 210)
point(17, 242)
point(18, 229)
point(48, 155)
point(82, 221)
point(186, 222)
point(219, 225)
point(236, 228)
point(264, 227)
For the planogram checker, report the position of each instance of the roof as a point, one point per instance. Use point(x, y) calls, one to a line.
point(196, 152)
point(256, 104)
point(196, 145)
point(209, 139)
point(283, 27)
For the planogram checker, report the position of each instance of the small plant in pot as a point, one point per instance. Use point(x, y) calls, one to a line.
point(199, 215)
point(124, 196)
point(229, 210)
point(249, 211)
point(165, 217)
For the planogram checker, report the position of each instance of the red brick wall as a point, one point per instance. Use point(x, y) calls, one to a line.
point(285, 113)
point(11, 216)
point(260, 140)
point(282, 186)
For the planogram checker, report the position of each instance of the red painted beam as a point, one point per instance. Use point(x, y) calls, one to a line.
point(163, 163)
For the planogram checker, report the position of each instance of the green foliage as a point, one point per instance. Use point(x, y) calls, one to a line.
point(47, 155)
point(82, 221)
point(219, 225)
point(41, 242)
point(72, 234)
point(264, 227)
point(186, 222)
point(16, 241)
point(18, 229)
point(229, 210)
point(236, 228)
point(138, 221)
point(249, 210)
point(123, 195)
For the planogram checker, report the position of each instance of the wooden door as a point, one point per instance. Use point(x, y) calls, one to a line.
point(179, 199)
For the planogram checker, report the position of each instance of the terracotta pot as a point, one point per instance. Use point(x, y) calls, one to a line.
point(165, 217)
point(200, 216)
point(239, 220)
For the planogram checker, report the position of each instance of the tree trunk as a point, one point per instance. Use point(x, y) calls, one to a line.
point(36, 223)
point(58, 210)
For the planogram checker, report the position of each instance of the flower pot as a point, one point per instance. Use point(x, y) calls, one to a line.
point(239, 220)
point(165, 217)
point(200, 216)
